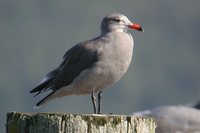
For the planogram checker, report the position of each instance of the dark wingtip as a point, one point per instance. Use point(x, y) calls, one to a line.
point(32, 91)
point(40, 87)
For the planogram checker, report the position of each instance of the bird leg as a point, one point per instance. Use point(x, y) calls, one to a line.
point(99, 102)
point(94, 102)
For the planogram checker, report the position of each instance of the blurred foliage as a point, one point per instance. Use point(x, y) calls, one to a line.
point(165, 68)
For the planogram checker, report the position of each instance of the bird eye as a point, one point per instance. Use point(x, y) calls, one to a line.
point(117, 20)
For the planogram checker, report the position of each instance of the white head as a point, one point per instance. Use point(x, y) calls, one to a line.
point(116, 22)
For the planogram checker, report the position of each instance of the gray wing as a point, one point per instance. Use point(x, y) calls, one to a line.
point(77, 59)
point(81, 57)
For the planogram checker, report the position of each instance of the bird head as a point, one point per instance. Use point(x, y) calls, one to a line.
point(118, 22)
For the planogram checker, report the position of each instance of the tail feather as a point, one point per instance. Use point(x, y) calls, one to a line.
point(45, 83)
point(44, 100)
point(54, 94)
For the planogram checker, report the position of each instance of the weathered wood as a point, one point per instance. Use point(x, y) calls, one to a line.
point(77, 123)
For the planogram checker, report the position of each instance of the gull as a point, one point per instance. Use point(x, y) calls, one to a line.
point(175, 118)
point(93, 65)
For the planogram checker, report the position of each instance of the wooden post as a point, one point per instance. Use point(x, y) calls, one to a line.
point(77, 123)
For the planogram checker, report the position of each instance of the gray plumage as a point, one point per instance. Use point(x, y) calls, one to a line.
point(92, 65)
point(175, 119)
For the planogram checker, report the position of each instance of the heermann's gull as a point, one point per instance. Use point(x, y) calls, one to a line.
point(93, 65)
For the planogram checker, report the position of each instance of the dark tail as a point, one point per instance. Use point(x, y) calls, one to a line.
point(44, 100)
point(45, 83)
